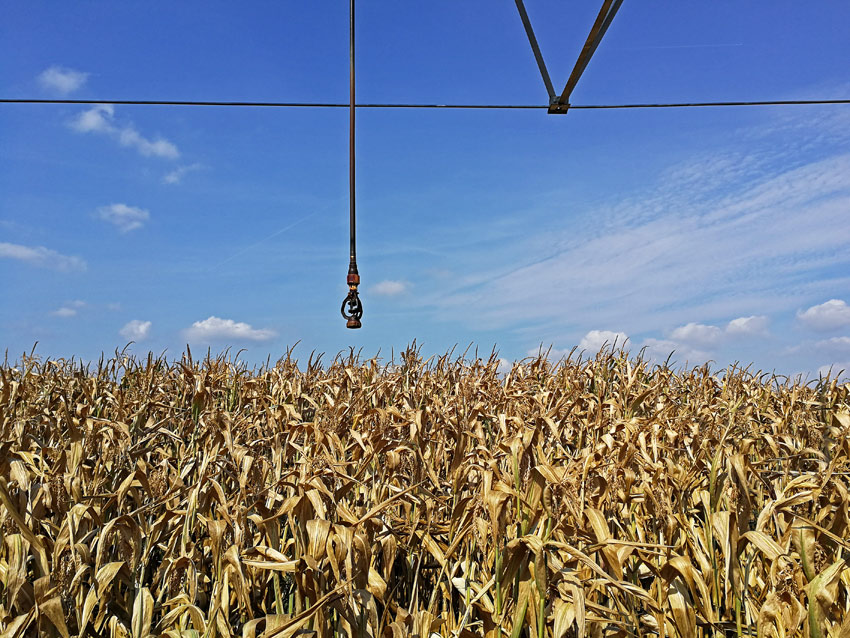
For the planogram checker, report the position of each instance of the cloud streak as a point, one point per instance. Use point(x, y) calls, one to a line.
point(62, 80)
point(390, 288)
point(41, 257)
point(69, 309)
point(124, 218)
point(100, 119)
point(176, 176)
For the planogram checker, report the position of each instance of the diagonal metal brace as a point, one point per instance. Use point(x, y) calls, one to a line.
point(561, 104)
point(536, 49)
point(597, 32)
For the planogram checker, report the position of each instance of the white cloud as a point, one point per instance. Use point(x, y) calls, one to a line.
point(829, 315)
point(216, 329)
point(177, 175)
point(596, 339)
point(101, 119)
point(136, 330)
point(390, 288)
point(41, 256)
point(835, 344)
point(62, 80)
point(694, 338)
point(697, 333)
point(97, 119)
point(754, 325)
point(124, 218)
point(69, 309)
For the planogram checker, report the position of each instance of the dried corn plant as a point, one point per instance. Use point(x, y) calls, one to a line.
point(602, 497)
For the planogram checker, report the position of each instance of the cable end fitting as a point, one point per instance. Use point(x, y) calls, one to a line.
point(352, 308)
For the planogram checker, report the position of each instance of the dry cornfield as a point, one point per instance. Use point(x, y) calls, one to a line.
point(603, 497)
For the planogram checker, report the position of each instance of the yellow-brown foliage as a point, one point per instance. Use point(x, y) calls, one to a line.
point(606, 497)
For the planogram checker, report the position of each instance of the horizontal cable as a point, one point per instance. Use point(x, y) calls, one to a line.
point(336, 105)
point(667, 105)
point(677, 105)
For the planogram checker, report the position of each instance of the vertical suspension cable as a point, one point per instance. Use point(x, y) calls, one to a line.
point(354, 312)
point(351, 111)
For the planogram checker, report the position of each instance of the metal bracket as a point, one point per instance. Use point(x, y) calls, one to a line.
point(560, 105)
point(556, 108)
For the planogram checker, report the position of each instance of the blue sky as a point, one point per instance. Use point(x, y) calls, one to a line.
point(720, 233)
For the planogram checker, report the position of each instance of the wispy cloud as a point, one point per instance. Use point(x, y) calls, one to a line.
point(250, 247)
point(830, 315)
point(216, 329)
point(176, 176)
point(753, 325)
point(62, 80)
point(665, 257)
point(707, 336)
point(594, 340)
point(702, 262)
point(697, 333)
point(835, 345)
point(390, 288)
point(136, 330)
point(41, 257)
point(69, 309)
point(101, 119)
point(124, 218)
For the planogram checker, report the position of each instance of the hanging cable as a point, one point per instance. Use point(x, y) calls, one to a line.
point(637, 105)
point(354, 310)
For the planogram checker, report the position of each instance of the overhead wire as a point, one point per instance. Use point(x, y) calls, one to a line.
point(390, 105)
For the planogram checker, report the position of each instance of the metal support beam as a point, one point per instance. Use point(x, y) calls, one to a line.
point(600, 26)
point(536, 49)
